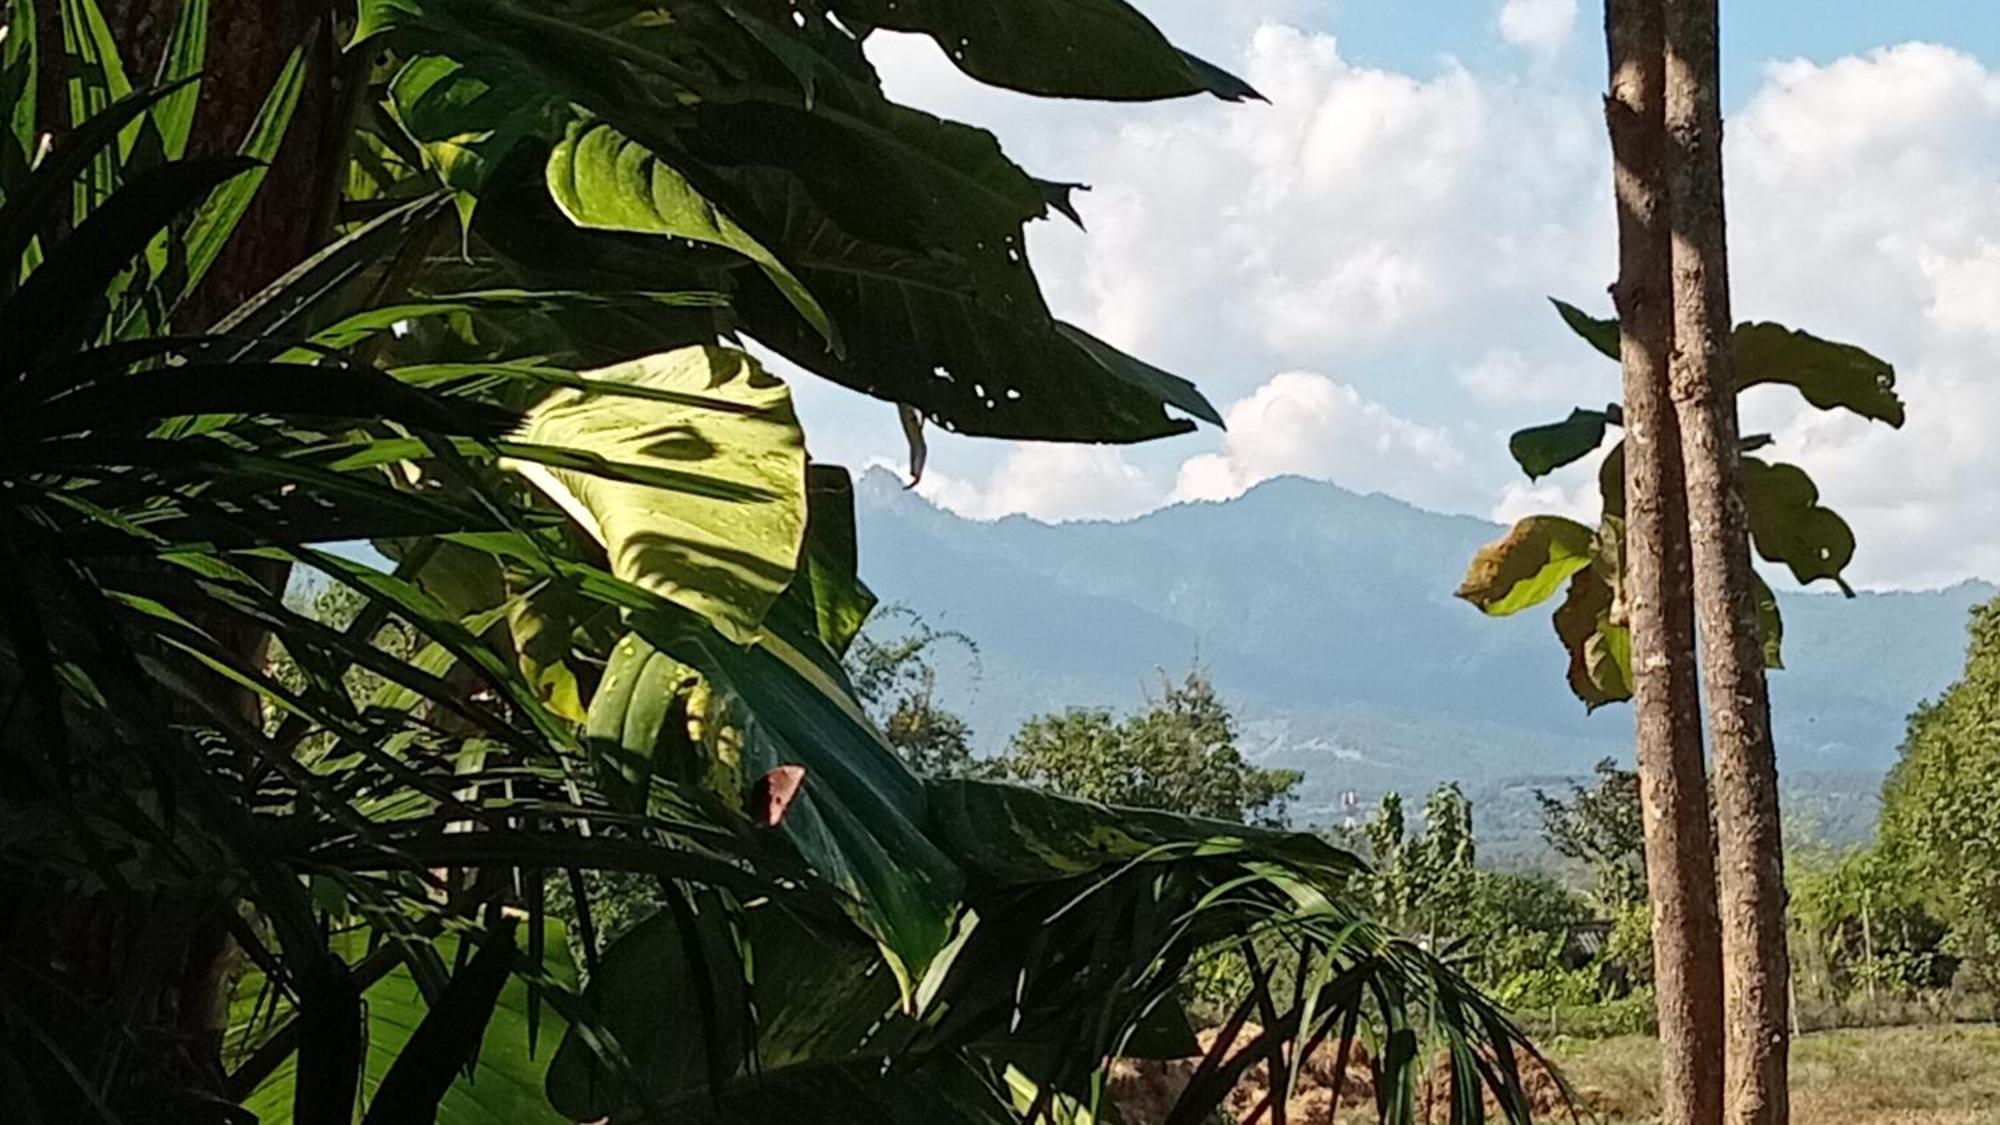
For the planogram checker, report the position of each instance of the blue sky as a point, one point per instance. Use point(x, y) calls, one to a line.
point(1356, 272)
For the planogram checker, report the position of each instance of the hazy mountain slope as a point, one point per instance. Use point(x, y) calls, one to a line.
point(1327, 617)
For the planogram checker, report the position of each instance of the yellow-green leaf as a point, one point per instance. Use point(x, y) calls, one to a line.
point(1526, 566)
point(698, 496)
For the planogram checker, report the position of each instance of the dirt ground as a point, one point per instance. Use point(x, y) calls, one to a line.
point(1947, 1075)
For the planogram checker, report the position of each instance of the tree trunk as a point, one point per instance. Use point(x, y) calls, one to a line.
point(132, 988)
point(1755, 969)
point(1680, 865)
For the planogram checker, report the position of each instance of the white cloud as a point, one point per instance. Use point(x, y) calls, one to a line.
point(1402, 229)
point(1540, 25)
point(1353, 215)
point(1865, 197)
point(1305, 424)
point(1051, 483)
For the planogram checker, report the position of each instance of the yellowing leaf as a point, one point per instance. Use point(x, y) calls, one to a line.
point(1526, 566)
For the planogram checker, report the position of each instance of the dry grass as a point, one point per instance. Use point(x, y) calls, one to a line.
point(1886, 1076)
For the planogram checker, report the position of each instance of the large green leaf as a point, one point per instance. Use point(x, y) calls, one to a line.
point(858, 817)
point(726, 554)
point(464, 122)
point(1541, 450)
point(757, 991)
point(1014, 834)
point(1067, 48)
point(829, 585)
point(920, 332)
point(604, 180)
point(1526, 566)
point(1789, 525)
point(1831, 376)
point(505, 1086)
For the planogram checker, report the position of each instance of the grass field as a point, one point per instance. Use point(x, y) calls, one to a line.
point(1887, 1076)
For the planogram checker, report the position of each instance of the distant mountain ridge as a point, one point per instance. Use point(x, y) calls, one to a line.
point(1327, 618)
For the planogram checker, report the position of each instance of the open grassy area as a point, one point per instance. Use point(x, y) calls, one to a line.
point(1947, 1075)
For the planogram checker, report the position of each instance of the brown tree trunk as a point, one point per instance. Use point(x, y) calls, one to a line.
point(1755, 960)
point(1680, 865)
point(140, 982)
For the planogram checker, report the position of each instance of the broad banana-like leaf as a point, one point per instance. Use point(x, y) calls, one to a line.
point(727, 544)
point(752, 992)
point(1101, 49)
point(505, 1083)
point(604, 180)
point(858, 815)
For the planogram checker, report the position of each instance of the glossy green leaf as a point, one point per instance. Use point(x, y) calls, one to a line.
point(783, 997)
point(1526, 566)
point(1599, 334)
point(505, 1085)
point(465, 121)
point(1014, 834)
point(638, 723)
point(604, 180)
point(1789, 525)
point(859, 817)
point(726, 554)
point(1541, 450)
point(1831, 376)
point(1103, 49)
point(829, 578)
point(920, 332)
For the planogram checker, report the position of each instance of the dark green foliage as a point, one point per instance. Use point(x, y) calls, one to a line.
point(896, 676)
point(1939, 815)
point(1601, 826)
point(1180, 755)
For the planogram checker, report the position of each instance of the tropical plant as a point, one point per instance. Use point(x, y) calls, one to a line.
point(601, 629)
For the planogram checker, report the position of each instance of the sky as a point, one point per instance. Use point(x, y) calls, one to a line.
point(1356, 273)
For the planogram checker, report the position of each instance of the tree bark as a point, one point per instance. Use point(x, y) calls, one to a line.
point(113, 971)
point(1755, 960)
point(1680, 865)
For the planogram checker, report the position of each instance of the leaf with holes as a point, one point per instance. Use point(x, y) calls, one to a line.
point(1831, 376)
point(1789, 526)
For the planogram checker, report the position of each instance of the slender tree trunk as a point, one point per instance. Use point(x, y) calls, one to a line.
point(1755, 968)
point(1680, 865)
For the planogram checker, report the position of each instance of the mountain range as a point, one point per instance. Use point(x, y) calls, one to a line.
point(1326, 618)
